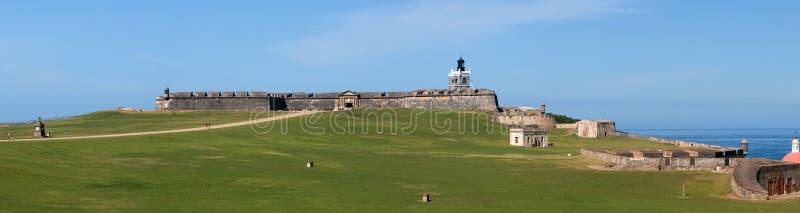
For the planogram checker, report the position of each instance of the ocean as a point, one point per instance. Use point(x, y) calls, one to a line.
point(763, 143)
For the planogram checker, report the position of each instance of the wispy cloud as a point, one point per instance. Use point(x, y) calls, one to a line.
point(419, 25)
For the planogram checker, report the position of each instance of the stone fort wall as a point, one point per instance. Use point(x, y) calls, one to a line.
point(214, 100)
point(759, 179)
point(567, 126)
point(524, 116)
point(728, 151)
point(662, 163)
point(460, 99)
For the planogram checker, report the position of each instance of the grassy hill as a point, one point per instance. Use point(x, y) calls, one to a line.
point(244, 169)
point(110, 122)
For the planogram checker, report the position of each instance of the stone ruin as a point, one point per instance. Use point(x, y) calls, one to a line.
point(595, 129)
point(525, 116)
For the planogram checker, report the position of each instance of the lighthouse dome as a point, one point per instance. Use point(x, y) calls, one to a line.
point(793, 156)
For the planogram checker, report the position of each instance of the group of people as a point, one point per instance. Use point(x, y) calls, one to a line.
point(9, 137)
point(207, 125)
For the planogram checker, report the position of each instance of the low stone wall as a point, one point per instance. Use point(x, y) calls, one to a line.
point(661, 163)
point(728, 151)
point(607, 157)
point(566, 126)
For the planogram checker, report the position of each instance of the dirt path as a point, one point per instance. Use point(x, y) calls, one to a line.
point(274, 118)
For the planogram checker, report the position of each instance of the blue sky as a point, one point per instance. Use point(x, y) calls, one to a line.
point(644, 64)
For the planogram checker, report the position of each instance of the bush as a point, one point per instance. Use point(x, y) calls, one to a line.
point(563, 119)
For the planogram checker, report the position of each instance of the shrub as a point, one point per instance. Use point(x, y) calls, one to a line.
point(563, 119)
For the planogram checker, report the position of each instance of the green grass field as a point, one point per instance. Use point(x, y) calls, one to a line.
point(111, 122)
point(238, 170)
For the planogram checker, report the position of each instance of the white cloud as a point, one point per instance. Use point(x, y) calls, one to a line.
point(419, 25)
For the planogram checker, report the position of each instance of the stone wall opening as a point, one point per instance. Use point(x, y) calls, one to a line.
point(770, 187)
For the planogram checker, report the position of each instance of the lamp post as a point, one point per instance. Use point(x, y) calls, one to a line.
point(683, 189)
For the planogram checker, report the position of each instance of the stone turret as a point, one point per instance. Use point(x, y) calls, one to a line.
point(38, 129)
point(543, 108)
point(744, 145)
point(459, 77)
point(166, 93)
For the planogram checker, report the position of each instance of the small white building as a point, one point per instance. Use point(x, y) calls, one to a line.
point(528, 137)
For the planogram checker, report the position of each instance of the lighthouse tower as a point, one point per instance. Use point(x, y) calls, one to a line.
point(793, 156)
point(795, 144)
point(459, 77)
point(745, 145)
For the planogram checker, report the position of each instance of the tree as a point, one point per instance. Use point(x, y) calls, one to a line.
point(563, 119)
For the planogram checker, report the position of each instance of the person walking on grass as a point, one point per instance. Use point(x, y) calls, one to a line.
point(9, 137)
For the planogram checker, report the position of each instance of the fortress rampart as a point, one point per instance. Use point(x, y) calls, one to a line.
point(759, 179)
point(685, 156)
point(663, 159)
point(450, 99)
point(727, 151)
point(460, 95)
